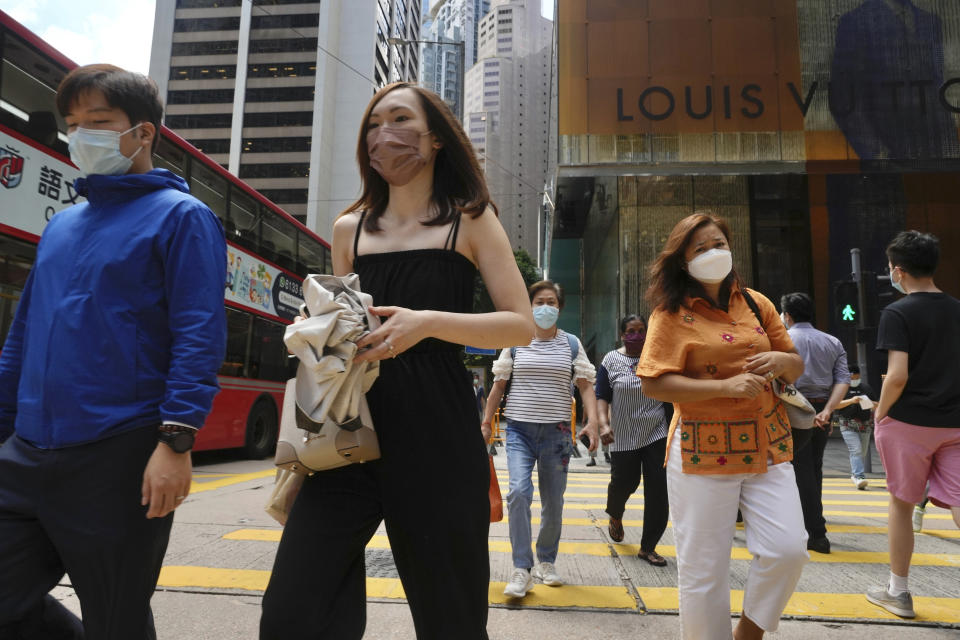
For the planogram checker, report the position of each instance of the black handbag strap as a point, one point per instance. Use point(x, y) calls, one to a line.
point(753, 306)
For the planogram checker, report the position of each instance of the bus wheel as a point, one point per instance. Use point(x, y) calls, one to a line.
point(261, 431)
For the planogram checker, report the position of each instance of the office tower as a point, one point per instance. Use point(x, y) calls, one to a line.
point(507, 112)
point(441, 67)
point(274, 90)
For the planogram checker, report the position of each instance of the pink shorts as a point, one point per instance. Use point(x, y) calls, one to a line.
point(913, 455)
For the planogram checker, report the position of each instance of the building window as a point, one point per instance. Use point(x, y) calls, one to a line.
point(209, 48)
point(202, 96)
point(212, 146)
point(199, 121)
point(279, 94)
point(219, 72)
point(275, 170)
point(270, 145)
point(182, 25)
point(278, 119)
point(207, 4)
point(266, 3)
point(282, 70)
point(285, 21)
point(285, 196)
point(283, 45)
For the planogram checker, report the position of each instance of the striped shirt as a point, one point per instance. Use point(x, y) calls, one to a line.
point(636, 420)
point(541, 376)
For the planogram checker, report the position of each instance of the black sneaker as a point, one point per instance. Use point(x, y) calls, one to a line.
point(820, 545)
point(592, 463)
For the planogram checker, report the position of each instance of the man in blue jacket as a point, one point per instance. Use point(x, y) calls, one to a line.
point(109, 368)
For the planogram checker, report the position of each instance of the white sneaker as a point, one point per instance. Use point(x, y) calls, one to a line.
point(918, 513)
point(520, 582)
point(546, 572)
point(859, 483)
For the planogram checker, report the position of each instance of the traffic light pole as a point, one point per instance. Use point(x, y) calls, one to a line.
point(861, 333)
point(862, 318)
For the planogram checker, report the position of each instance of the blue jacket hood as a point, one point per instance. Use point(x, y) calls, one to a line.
point(102, 190)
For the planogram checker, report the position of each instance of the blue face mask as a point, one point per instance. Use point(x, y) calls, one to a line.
point(897, 285)
point(545, 316)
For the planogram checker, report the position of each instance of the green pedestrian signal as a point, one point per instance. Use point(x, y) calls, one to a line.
point(846, 302)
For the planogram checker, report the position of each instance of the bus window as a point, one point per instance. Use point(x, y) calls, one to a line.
point(28, 89)
point(243, 226)
point(169, 156)
point(238, 337)
point(279, 241)
point(268, 353)
point(210, 188)
point(16, 258)
point(311, 256)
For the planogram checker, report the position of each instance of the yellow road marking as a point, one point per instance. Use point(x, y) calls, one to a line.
point(578, 506)
point(603, 549)
point(568, 495)
point(197, 487)
point(828, 605)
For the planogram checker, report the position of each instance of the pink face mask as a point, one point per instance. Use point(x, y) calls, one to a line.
point(395, 153)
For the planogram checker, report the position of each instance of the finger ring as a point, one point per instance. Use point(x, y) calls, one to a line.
point(390, 348)
point(181, 497)
point(770, 375)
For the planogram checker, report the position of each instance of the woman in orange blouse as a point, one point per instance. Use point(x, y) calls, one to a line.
point(707, 353)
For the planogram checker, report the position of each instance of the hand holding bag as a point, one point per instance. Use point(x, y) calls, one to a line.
point(799, 410)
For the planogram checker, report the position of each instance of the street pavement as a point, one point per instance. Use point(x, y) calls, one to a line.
point(223, 544)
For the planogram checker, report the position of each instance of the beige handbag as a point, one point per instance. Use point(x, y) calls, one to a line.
point(285, 491)
point(306, 446)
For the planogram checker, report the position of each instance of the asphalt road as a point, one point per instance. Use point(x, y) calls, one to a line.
point(223, 544)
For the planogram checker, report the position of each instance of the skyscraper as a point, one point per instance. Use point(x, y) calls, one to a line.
point(440, 65)
point(507, 112)
point(274, 90)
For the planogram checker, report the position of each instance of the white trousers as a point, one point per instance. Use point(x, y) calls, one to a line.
point(704, 513)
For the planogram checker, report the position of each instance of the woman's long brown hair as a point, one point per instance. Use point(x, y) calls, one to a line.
point(458, 184)
point(670, 283)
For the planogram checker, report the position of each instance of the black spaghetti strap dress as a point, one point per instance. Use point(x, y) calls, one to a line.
point(430, 485)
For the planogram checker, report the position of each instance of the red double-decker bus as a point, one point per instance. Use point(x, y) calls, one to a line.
point(268, 250)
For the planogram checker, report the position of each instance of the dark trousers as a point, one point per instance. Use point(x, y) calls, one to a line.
point(317, 590)
point(808, 466)
point(626, 469)
point(77, 511)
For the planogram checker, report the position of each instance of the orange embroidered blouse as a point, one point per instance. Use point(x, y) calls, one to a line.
point(721, 435)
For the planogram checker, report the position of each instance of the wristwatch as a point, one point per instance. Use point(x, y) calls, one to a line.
point(177, 437)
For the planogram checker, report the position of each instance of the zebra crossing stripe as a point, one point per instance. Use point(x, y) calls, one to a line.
point(655, 599)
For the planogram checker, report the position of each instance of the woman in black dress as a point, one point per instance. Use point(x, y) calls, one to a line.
point(421, 229)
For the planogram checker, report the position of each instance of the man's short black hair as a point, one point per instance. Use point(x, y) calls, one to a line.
point(854, 369)
point(915, 252)
point(798, 305)
point(133, 93)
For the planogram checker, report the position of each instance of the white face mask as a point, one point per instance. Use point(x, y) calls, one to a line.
point(854, 384)
point(711, 266)
point(97, 151)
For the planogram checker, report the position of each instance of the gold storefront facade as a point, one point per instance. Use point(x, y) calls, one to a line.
point(813, 126)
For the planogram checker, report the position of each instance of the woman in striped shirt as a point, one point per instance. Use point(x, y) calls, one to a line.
point(640, 440)
point(538, 432)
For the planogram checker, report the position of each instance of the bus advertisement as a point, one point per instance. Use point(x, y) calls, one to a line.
point(268, 251)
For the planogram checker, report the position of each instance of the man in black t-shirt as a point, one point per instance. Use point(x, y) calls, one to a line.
point(918, 416)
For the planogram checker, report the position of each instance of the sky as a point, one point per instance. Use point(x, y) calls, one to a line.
point(113, 31)
point(89, 31)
